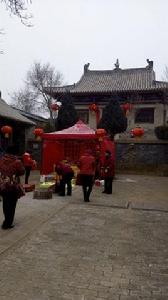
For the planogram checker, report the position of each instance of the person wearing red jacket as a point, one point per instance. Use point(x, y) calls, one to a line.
point(10, 190)
point(87, 165)
point(108, 172)
point(29, 164)
point(66, 172)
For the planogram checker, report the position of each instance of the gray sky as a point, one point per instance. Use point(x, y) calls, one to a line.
point(70, 33)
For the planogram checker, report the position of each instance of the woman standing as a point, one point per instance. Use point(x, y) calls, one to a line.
point(29, 164)
point(10, 190)
point(108, 172)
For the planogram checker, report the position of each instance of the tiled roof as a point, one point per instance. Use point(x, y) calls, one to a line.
point(30, 115)
point(6, 111)
point(60, 89)
point(117, 80)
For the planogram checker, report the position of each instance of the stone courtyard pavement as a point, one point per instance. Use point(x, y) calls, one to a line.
point(115, 247)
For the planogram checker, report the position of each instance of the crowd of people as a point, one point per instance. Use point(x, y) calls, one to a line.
point(88, 172)
point(11, 168)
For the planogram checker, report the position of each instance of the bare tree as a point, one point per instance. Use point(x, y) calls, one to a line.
point(19, 9)
point(41, 77)
point(33, 96)
point(25, 99)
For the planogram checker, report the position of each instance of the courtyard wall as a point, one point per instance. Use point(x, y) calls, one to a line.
point(142, 156)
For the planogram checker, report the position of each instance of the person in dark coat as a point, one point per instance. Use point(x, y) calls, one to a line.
point(108, 172)
point(10, 169)
point(66, 172)
point(87, 165)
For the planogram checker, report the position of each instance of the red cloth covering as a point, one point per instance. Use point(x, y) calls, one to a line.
point(70, 142)
point(78, 131)
point(87, 164)
point(10, 165)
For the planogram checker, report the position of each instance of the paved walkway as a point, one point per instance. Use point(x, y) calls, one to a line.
point(114, 247)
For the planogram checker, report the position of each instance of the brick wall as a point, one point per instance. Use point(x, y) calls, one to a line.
point(142, 156)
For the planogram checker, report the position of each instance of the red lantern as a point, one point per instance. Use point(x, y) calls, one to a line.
point(38, 132)
point(100, 133)
point(93, 107)
point(137, 132)
point(126, 107)
point(54, 106)
point(6, 130)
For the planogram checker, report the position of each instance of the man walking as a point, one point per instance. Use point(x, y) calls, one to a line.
point(87, 166)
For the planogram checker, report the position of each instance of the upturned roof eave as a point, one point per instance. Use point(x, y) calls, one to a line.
point(152, 89)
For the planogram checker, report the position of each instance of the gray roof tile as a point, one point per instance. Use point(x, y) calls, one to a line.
point(6, 111)
point(117, 80)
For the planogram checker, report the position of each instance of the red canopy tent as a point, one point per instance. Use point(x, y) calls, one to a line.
point(68, 143)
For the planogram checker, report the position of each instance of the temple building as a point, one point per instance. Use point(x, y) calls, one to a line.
point(146, 98)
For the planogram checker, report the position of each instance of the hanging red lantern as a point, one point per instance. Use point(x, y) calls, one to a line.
point(6, 130)
point(126, 108)
point(100, 133)
point(93, 107)
point(137, 132)
point(54, 106)
point(38, 132)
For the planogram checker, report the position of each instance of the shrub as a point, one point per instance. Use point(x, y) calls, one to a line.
point(113, 119)
point(67, 114)
point(162, 132)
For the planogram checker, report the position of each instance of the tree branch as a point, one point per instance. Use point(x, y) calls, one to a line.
point(19, 9)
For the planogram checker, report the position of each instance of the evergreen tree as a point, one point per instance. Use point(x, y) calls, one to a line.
point(113, 119)
point(67, 114)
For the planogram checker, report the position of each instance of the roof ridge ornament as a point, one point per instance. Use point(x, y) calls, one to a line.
point(86, 67)
point(117, 64)
point(150, 64)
